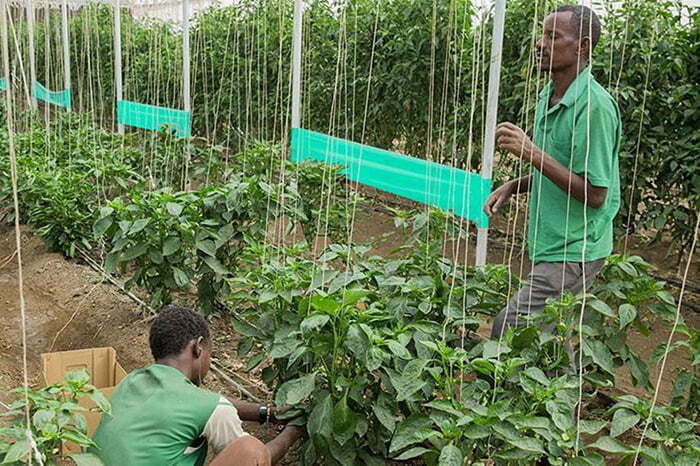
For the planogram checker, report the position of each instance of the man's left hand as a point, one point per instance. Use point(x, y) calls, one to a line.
point(514, 140)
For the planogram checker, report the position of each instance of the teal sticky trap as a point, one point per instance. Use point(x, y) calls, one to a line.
point(154, 118)
point(58, 98)
point(448, 188)
point(3, 84)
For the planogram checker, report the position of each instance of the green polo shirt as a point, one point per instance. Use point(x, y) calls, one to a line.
point(582, 132)
point(158, 417)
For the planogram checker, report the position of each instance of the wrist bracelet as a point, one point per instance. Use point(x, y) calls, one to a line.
point(263, 414)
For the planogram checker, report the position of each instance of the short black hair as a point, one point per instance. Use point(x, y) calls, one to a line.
point(584, 20)
point(173, 329)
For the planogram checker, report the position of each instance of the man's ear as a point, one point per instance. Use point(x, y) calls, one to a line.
point(198, 348)
point(584, 47)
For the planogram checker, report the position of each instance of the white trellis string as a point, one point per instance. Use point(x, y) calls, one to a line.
point(18, 232)
point(667, 349)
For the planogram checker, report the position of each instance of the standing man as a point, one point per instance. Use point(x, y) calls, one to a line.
point(575, 184)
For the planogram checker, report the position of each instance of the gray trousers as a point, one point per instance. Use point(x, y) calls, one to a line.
point(547, 280)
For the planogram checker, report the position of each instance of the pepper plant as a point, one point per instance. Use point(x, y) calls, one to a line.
point(55, 418)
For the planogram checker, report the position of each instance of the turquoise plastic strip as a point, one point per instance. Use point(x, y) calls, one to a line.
point(59, 98)
point(431, 183)
point(154, 118)
point(3, 84)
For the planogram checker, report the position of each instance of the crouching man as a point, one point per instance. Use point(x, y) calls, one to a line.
point(161, 416)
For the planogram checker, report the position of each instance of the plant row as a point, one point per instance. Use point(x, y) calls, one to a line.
point(379, 356)
point(406, 75)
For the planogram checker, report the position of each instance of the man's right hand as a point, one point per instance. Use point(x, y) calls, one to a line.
point(497, 198)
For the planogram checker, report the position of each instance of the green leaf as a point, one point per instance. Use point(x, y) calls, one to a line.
point(295, 391)
point(639, 370)
point(602, 308)
point(344, 421)
point(181, 278)
point(207, 246)
point(591, 459)
point(244, 328)
point(321, 277)
point(324, 304)
point(494, 349)
point(524, 337)
point(174, 209)
point(445, 406)
point(18, 451)
point(414, 369)
point(124, 226)
point(628, 268)
point(139, 225)
point(215, 265)
point(101, 401)
point(398, 349)
point(106, 211)
point(415, 429)
point(560, 414)
point(320, 420)
point(313, 322)
point(350, 297)
point(77, 378)
point(450, 456)
point(101, 226)
point(374, 358)
point(254, 362)
point(171, 245)
point(627, 314)
point(381, 410)
point(406, 388)
point(506, 430)
point(528, 444)
point(356, 341)
point(42, 417)
point(591, 426)
point(344, 454)
point(78, 438)
point(475, 432)
point(611, 445)
point(622, 421)
point(412, 453)
point(111, 262)
point(135, 252)
point(536, 374)
point(283, 347)
point(600, 353)
point(86, 459)
point(155, 256)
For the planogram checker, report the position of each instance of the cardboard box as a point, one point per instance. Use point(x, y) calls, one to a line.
point(105, 374)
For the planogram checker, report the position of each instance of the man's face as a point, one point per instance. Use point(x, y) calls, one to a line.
point(558, 49)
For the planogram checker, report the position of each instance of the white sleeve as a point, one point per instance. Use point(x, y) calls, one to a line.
point(223, 427)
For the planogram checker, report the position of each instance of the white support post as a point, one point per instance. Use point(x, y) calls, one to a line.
point(29, 6)
point(186, 55)
point(4, 47)
point(118, 59)
point(186, 91)
point(47, 47)
point(296, 63)
point(66, 48)
point(491, 117)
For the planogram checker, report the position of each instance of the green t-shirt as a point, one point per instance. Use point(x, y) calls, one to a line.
point(582, 132)
point(158, 416)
